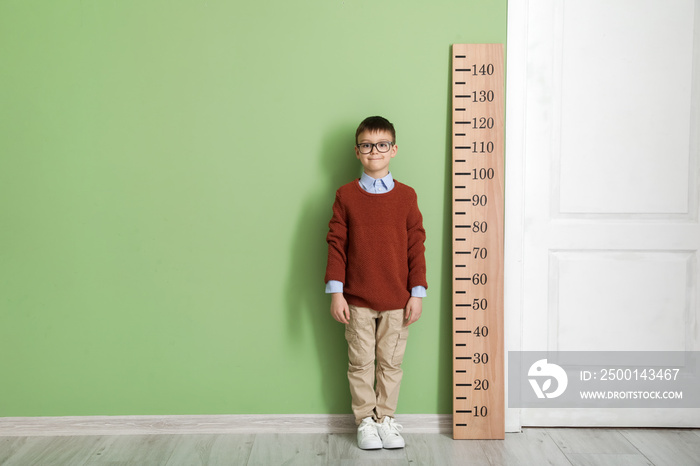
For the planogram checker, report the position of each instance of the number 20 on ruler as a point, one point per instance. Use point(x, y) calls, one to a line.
point(477, 241)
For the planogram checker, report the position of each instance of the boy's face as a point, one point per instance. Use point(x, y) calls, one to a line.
point(376, 163)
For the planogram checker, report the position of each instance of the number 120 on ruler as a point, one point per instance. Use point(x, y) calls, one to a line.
point(477, 241)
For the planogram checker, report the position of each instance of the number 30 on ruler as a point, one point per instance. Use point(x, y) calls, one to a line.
point(477, 241)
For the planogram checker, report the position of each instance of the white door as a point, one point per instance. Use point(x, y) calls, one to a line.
point(602, 171)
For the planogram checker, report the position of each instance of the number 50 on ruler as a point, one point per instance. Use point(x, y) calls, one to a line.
point(477, 241)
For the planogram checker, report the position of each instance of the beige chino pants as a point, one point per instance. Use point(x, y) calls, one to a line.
point(376, 345)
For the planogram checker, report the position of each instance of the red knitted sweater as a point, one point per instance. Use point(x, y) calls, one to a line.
point(376, 246)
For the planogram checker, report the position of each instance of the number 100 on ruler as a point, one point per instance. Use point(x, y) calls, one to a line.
point(477, 241)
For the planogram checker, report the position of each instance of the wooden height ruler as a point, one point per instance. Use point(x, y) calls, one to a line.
point(477, 241)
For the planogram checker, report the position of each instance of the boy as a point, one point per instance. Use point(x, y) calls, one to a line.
point(376, 277)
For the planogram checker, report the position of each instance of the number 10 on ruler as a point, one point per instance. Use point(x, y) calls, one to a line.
point(477, 241)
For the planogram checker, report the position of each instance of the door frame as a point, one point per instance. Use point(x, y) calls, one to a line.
point(516, 93)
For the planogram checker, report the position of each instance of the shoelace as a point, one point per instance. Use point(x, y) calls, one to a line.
point(392, 427)
point(367, 426)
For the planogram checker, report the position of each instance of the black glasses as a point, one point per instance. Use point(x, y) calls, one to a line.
point(366, 147)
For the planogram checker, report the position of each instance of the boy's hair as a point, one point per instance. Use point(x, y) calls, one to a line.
point(376, 123)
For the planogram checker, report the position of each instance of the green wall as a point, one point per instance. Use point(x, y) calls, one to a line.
point(167, 170)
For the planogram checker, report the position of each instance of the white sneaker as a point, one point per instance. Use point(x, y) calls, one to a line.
point(367, 437)
point(389, 430)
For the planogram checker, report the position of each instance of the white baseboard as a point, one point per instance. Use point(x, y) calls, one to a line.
point(209, 424)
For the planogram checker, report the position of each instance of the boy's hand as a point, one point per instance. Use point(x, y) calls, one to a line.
point(339, 308)
point(413, 310)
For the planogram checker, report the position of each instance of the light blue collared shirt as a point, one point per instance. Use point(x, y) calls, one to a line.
point(375, 186)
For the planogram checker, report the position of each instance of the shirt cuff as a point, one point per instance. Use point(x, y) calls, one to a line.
point(334, 286)
point(418, 292)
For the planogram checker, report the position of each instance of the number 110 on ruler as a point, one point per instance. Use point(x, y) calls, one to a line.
point(477, 241)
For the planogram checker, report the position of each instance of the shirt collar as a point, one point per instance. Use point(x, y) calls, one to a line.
point(380, 185)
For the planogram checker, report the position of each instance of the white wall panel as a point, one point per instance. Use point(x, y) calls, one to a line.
point(625, 106)
point(621, 300)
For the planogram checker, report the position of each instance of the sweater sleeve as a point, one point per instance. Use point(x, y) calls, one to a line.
point(337, 242)
point(416, 247)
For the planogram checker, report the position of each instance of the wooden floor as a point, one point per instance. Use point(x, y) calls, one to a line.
point(560, 446)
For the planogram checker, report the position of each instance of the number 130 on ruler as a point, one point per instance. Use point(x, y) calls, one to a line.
point(477, 241)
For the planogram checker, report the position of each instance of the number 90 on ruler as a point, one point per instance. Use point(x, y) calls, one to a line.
point(477, 241)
